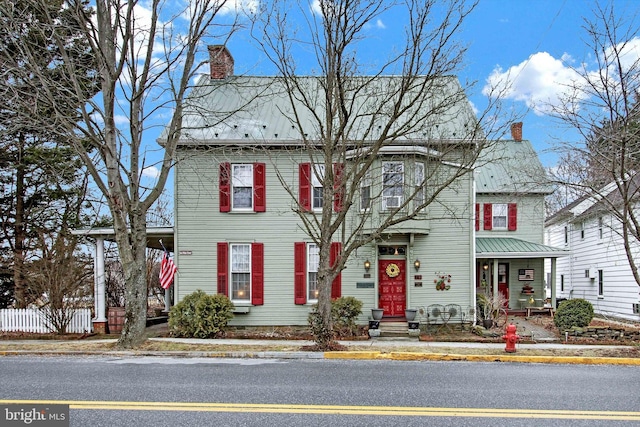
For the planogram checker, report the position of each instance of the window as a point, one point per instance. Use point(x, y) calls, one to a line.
point(418, 182)
point(306, 259)
point(316, 186)
point(242, 264)
point(310, 188)
point(562, 283)
point(242, 187)
point(600, 283)
point(313, 261)
point(240, 272)
point(242, 184)
point(600, 227)
point(566, 235)
point(499, 216)
point(392, 185)
point(581, 230)
point(365, 192)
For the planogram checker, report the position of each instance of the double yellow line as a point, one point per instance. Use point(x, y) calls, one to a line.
point(336, 409)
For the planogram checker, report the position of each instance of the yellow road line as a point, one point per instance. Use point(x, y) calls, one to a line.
point(337, 409)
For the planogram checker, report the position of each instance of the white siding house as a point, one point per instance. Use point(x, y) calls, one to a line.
point(597, 269)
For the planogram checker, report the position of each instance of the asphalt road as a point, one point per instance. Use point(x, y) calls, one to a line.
point(152, 391)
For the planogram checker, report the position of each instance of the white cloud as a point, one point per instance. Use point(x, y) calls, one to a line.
point(380, 24)
point(538, 82)
point(151, 172)
point(120, 119)
point(237, 6)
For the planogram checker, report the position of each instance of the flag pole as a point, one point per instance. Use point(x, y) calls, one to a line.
point(161, 244)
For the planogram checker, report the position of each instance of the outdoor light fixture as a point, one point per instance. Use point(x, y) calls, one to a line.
point(416, 264)
point(367, 265)
point(485, 266)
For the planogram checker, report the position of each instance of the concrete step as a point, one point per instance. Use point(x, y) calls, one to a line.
point(394, 329)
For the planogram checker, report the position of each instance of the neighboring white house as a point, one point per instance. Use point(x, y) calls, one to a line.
point(597, 269)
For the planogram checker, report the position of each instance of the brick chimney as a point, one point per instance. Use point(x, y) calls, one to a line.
point(220, 62)
point(516, 131)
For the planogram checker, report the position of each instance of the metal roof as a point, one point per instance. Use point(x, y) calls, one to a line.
point(246, 110)
point(508, 166)
point(509, 247)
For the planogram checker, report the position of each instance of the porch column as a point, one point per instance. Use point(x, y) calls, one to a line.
point(100, 321)
point(167, 299)
point(494, 277)
point(553, 282)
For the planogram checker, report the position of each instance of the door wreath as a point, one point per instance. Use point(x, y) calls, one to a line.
point(392, 270)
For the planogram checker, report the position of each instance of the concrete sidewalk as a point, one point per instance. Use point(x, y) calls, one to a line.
point(373, 349)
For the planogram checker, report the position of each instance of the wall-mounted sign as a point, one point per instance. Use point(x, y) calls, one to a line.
point(185, 252)
point(525, 274)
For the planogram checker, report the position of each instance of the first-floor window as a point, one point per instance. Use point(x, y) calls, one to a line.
point(600, 283)
point(562, 282)
point(241, 272)
point(313, 261)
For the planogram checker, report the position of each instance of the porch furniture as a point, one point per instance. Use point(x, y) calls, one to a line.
point(522, 302)
point(538, 310)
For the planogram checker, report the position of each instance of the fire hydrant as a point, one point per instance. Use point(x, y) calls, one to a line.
point(511, 338)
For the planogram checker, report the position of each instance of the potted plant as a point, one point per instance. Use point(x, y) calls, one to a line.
point(410, 314)
point(376, 313)
point(491, 307)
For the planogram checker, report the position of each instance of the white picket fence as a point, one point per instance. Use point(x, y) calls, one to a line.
point(32, 320)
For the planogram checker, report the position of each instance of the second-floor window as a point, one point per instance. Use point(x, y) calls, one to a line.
point(392, 184)
point(242, 187)
point(365, 192)
point(418, 182)
point(316, 186)
point(500, 216)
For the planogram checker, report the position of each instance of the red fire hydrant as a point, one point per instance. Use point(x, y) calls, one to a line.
point(511, 338)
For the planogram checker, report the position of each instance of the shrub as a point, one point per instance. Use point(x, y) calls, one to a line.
point(574, 312)
point(200, 315)
point(344, 312)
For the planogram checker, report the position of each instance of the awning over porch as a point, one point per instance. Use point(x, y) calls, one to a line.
point(154, 235)
point(509, 247)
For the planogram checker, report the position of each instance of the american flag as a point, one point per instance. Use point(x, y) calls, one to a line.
point(167, 271)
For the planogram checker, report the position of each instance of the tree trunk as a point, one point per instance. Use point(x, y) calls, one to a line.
point(21, 293)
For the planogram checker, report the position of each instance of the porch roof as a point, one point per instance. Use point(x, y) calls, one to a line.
point(154, 235)
point(509, 247)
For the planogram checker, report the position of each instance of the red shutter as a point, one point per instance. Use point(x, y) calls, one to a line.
point(259, 190)
point(338, 186)
point(225, 187)
point(257, 273)
point(488, 217)
point(304, 190)
point(223, 268)
point(477, 216)
point(336, 285)
point(512, 216)
point(300, 277)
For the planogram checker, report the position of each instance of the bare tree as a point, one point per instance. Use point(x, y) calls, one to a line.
point(602, 105)
point(146, 54)
point(352, 112)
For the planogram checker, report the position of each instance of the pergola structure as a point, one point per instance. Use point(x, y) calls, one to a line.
point(157, 238)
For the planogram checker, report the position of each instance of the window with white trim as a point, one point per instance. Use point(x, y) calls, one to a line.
point(313, 261)
point(317, 176)
point(365, 192)
point(418, 182)
point(240, 272)
point(242, 183)
point(499, 216)
point(581, 229)
point(600, 227)
point(392, 185)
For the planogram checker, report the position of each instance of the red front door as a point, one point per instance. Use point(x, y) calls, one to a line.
point(392, 286)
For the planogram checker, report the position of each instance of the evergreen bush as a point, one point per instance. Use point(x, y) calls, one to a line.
point(574, 312)
point(200, 315)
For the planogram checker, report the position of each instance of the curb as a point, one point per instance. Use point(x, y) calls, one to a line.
point(340, 355)
point(376, 355)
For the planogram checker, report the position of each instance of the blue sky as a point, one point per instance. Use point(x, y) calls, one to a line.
point(537, 40)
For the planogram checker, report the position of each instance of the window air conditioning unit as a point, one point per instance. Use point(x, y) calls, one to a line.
point(593, 273)
point(636, 308)
point(391, 202)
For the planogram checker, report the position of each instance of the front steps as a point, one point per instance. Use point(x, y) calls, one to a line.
point(394, 329)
